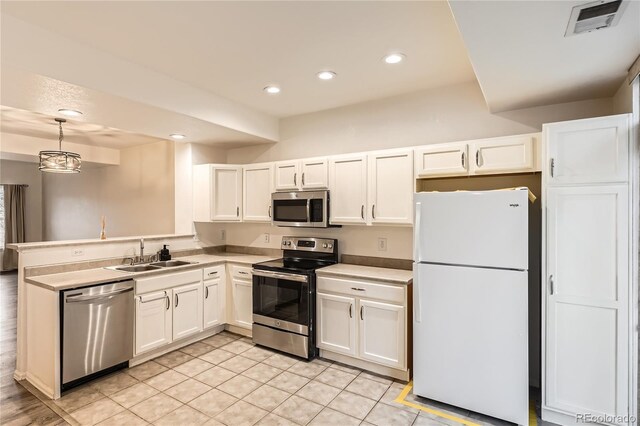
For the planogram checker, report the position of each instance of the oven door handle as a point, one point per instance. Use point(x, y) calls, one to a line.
point(280, 275)
point(309, 210)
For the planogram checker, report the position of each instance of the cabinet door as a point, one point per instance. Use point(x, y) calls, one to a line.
point(315, 173)
point(595, 150)
point(187, 310)
point(336, 323)
point(214, 299)
point(242, 303)
point(287, 175)
point(153, 321)
point(226, 184)
point(587, 299)
point(502, 155)
point(391, 187)
point(441, 160)
point(382, 333)
point(348, 185)
point(258, 186)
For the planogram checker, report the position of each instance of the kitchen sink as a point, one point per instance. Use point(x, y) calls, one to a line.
point(171, 263)
point(137, 268)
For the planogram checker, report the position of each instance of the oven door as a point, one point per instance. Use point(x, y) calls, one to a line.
point(300, 208)
point(281, 300)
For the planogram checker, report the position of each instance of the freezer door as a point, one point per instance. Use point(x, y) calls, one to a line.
point(480, 228)
point(470, 339)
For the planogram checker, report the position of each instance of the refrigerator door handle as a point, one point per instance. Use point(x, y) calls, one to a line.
point(416, 233)
point(417, 303)
point(551, 284)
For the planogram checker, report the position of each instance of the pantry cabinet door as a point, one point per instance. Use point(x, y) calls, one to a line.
point(348, 186)
point(512, 154)
point(153, 321)
point(382, 333)
point(287, 175)
point(315, 173)
point(258, 186)
point(391, 187)
point(187, 310)
point(336, 323)
point(441, 160)
point(594, 150)
point(226, 184)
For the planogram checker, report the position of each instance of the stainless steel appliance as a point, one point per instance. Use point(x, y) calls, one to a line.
point(284, 295)
point(97, 331)
point(301, 208)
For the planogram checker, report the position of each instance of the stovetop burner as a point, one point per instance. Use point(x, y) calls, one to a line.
point(303, 255)
point(293, 265)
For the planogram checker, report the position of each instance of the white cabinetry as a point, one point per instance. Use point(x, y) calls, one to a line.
point(153, 321)
point(449, 159)
point(217, 193)
point(241, 296)
point(302, 175)
point(348, 186)
point(587, 252)
point(287, 174)
point(366, 320)
point(214, 305)
point(391, 187)
point(187, 310)
point(257, 189)
point(314, 173)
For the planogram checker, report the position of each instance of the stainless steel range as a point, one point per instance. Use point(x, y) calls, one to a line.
point(284, 295)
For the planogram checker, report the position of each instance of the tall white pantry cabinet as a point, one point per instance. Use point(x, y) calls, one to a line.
point(589, 360)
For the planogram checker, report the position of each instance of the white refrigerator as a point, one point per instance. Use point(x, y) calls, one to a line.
point(470, 301)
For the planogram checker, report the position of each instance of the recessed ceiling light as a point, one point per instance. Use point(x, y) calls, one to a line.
point(177, 136)
point(272, 90)
point(326, 75)
point(69, 112)
point(394, 58)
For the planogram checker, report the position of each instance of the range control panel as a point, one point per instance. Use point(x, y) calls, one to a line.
point(323, 245)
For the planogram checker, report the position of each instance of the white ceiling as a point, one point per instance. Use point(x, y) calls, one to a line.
point(234, 49)
point(522, 59)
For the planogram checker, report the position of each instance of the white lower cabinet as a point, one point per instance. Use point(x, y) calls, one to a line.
point(187, 310)
point(368, 321)
point(336, 323)
point(153, 321)
point(214, 301)
point(241, 297)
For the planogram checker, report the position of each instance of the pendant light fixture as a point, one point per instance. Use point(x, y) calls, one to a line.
point(60, 161)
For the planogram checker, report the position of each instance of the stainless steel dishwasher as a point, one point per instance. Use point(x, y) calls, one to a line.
point(97, 331)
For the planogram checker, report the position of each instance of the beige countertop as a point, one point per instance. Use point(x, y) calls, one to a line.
point(87, 277)
point(395, 276)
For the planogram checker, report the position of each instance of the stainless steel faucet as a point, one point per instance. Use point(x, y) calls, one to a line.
point(141, 250)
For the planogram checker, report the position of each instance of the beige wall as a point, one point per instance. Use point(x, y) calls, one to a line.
point(18, 172)
point(137, 197)
point(623, 99)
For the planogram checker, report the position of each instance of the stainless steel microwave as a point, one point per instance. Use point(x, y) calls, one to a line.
point(308, 209)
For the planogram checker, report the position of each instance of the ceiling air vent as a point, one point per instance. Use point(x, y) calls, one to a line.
point(594, 16)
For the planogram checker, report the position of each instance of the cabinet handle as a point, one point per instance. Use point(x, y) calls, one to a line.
point(269, 211)
point(478, 158)
point(362, 312)
point(166, 296)
point(295, 179)
point(350, 310)
point(302, 178)
point(551, 166)
point(463, 159)
point(237, 211)
point(206, 292)
point(551, 284)
point(357, 289)
point(362, 211)
point(373, 211)
point(213, 273)
point(243, 273)
point(176, 300)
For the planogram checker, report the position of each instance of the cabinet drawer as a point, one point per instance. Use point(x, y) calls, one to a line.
point(357, 288)
point(165, 281)
point(241, 272)
point(213, 272)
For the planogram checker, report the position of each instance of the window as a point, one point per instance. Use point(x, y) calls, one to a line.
point(1, 217)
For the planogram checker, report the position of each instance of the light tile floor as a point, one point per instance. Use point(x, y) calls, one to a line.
point(227, 380)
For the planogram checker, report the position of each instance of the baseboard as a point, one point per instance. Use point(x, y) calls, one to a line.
point(19, 375)
point(238, 330)
point(38, 384)
point(366, 365)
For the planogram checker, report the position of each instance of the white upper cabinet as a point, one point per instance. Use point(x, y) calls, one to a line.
point(502, 155)
point(348, 186)
point(594, 150)
point(391, 187)
point(287, 175)
point(258, 186)
point(450, 159)
point(315, 173)
point(217, 193)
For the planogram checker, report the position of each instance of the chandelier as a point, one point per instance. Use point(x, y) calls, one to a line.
point(60, 161)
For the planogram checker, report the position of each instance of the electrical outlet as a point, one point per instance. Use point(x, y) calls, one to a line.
point(223, 235)
point(266, 238)
point(78, 252)
point(196, 238)
point(382, 244)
